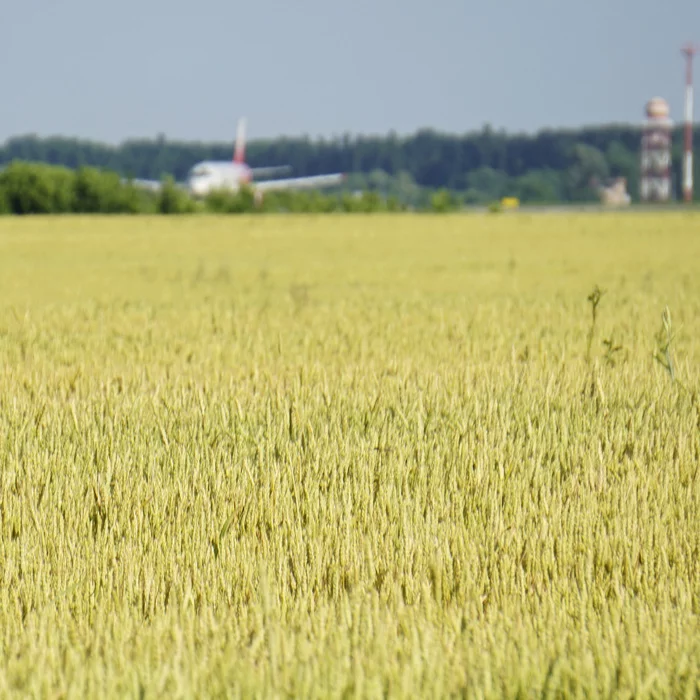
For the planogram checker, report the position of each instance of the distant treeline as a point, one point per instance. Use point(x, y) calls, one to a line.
point(37, 188)
point(550, 166)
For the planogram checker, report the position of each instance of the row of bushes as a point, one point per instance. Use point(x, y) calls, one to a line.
point(35, 188)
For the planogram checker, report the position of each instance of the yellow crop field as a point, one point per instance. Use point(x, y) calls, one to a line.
point(350, 456)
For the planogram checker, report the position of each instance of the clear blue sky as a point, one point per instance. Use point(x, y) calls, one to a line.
point(189, 68)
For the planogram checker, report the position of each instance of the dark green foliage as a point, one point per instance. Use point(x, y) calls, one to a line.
point(393, 204)
point(369, 202)
point(428, 171)
point(539, 186)
point(88, 188)
point(173, 200)
point(226, 202)
point(96, 191)
point(443, 201)
point(484, 165)
point(35, 189)
point(488, 182)
point(588, 166)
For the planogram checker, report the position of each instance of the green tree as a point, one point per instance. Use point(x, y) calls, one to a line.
point(489, 182)
point(482, 165)
point(623, 162)
point(443, 201)
point(588, 167)
point(90, 191)
point(224, 201)
point(32, 188)
point(172, 199)
point(379, 180)
point(540, 186)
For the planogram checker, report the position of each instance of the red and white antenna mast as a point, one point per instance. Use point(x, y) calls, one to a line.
point(689, 51)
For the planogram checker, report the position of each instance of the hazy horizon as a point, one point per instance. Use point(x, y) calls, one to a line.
point(328, 137)
point(133, 71)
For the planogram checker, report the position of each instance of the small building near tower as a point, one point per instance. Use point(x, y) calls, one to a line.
point(655, 170)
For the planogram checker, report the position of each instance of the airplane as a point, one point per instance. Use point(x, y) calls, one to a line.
point(210, 175)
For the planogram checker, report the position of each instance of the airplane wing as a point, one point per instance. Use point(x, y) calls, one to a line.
point(300, 182)
point(271, 170)
point(153, 185)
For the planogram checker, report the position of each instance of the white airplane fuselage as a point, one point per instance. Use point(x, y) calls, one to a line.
point(208, 176)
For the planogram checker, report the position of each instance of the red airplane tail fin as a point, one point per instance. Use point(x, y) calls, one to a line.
point(239, 149)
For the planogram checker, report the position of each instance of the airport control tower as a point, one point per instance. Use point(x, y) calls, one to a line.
point(655, 172)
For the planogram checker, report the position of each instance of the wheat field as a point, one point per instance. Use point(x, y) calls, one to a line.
point(350, 456)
